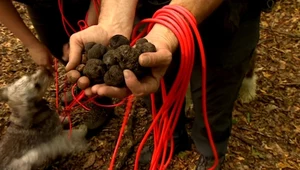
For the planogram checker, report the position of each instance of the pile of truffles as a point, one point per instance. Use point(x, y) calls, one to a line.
point(105, 64)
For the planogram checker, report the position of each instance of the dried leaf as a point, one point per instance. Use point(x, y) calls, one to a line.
point(282, 165)
point(90, 161)
point(267, 75)
point(282, 65)
point(248, 117)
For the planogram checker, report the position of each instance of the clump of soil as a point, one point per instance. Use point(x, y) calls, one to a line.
point(94, 70)
point(105, 64)
point(118, 40)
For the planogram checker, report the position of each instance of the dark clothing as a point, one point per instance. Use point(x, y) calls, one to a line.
point(230, 36)
point(229, 45)
point(46, 19)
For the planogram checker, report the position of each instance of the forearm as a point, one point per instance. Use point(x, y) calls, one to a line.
point(10, 17)
point(93, 14)
point(199, 8)
point(118, 15)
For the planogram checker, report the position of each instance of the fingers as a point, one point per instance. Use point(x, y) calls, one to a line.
point(88, 92)
point(162, 57)
point(92, 34)
point(110, 91)
point(158, 61)
point(66, 52)
point(76, 46)
point(73, 76)
point(141, 88)
point(148, 85)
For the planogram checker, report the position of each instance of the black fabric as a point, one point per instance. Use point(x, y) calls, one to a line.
point(46, 19)
point(147, 8)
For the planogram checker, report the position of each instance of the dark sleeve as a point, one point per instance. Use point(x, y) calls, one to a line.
point(47, 22)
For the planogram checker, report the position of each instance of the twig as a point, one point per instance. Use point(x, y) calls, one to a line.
point(277, 49)
point(264, 40)
point(128, 143)
point(295, 84)
point(292, 35)
point(266, 135)
point(247, 141)
point(62, 77)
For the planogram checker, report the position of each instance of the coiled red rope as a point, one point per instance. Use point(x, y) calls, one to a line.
point(183, 24)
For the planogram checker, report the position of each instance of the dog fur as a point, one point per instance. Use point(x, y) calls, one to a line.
point(247, 91)
point(35, 135)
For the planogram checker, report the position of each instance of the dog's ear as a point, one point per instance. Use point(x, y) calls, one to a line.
point(3, 94)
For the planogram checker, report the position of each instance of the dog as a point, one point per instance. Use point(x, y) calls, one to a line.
point(247, 92)
point(35, 136)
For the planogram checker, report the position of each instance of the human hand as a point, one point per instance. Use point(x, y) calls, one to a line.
point(41, 55)
point(94, 33)
point(93, 13)
point(165, 43)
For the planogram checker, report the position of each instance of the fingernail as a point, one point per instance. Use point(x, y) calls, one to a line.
point(126, 74)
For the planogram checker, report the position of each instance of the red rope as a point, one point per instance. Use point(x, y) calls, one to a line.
point(182, 23)
point(125, 120)
point(76, 98)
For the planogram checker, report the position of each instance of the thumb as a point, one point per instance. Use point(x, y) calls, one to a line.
point(140, 88)
point(153, 59)
point(66, 52)
point(76, 46)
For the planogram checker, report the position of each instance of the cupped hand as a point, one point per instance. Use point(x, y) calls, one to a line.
point(93, 33)
point(165, 43)
point(41, 55)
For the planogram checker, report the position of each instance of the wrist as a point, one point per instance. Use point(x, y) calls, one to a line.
point(164, 34)
point(115, 27)
point(117, 16)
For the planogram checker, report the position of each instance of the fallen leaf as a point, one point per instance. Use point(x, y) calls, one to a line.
point(270, 107)
point(234, 121)
point(248, 117)
point(282, 165)
point(240, 158)
point(90, 161)
point(267, 75)
point(182, 155)
point(264, 24)
point(297, 130)
point(255, 153)
point(282, 65)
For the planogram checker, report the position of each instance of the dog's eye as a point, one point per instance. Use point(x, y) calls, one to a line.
point(37, 86)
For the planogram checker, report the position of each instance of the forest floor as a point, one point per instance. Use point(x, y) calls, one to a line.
point(266, 131)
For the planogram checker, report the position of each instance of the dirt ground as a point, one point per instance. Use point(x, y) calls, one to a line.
point(265, 134)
